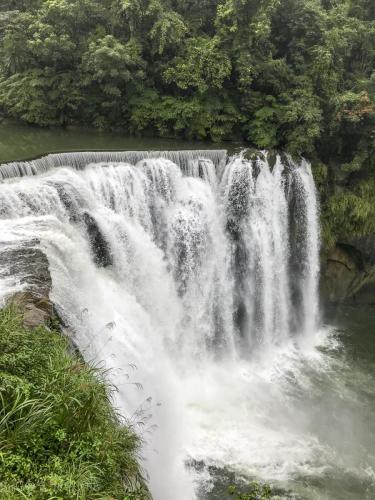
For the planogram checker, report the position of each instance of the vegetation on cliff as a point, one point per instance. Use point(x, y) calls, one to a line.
point(60, 437)
point(347, 202)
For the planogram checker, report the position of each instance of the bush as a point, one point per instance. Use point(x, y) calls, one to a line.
point(59, 435)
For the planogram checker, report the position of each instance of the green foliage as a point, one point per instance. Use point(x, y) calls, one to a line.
point(350, 213)
point(59, 436)
point(196, 117)
point(255, 491)
point(203, 66)
point(168, 27)
point(40, 96)
point(109, 60)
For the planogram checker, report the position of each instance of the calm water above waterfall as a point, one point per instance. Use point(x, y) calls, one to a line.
point(21, 142)
point(194, 277)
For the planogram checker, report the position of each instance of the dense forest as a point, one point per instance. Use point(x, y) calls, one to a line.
point(296, 75)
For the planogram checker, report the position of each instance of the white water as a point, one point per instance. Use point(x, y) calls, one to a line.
point(191, 283)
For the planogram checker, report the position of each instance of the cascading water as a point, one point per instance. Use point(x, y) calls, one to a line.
point(188, 160)
point(188, 267)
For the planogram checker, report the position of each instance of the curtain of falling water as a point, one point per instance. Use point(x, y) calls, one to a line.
point(166, 265)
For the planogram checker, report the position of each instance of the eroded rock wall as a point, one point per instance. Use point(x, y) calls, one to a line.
point(348, 272)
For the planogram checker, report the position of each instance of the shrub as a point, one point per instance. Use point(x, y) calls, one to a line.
point(59, 435)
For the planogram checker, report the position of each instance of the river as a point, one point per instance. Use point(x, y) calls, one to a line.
point(21, 142)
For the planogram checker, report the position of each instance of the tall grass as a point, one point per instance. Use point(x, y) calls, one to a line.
point(60, 438)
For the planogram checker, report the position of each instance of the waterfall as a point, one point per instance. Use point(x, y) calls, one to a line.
point(260, 229)
point(170, 262)
point(188, 160)
point(309, 224)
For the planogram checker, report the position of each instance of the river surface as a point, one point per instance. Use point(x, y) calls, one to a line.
point(22, 142)
point(196, 283)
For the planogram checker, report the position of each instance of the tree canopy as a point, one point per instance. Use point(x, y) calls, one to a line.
point(291, 74)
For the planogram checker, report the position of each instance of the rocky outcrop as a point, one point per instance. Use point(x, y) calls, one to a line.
point(35, 311)
point(29, 266)
point(348, 273)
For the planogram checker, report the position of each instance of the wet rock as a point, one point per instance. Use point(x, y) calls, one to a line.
point(366, 245)
point(29, 267)
point(36, 311)
point(348, 275)
point(99, 245)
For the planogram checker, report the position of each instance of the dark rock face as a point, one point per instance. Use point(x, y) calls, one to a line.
point(366, 246)
point(348, 273)
point(99, 245)
point(30, 266)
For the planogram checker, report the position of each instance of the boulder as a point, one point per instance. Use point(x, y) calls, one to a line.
point(29, 266)
point(36, 311)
